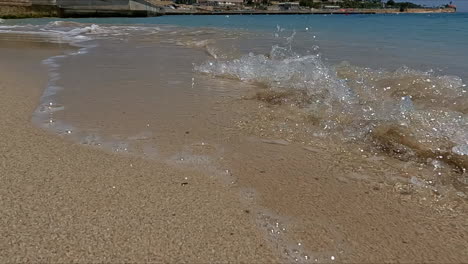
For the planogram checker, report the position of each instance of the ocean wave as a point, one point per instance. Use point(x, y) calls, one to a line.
point(283, 70)
point(10, 26)
point(407, 113)
point(74, 32)
point(61, 23)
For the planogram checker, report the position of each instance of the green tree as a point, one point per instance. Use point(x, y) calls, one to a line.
point(404, 7)
point(390, 3)
point(309, 4)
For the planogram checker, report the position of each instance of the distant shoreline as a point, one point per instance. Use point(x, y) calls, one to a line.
point(315, 12)
point(11, 12)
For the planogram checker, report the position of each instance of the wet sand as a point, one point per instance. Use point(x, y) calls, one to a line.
point(64, 202)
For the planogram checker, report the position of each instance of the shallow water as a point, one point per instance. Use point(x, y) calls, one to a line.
point(269, 102)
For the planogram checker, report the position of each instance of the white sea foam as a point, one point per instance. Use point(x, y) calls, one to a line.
point(73, 32)
point(282, 69)
point(461, 149)
point(44, 114)
point(9, 26)
point(93, 29)
point(352, 102)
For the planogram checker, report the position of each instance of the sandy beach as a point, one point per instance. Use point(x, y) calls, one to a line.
point(63, 202)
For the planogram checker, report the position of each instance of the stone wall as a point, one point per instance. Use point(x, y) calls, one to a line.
point(27, 11)
point(107, 8)
point(15, 2)
point(44, 2)
point(140, 5)
point(77, 8)
point(94, 4)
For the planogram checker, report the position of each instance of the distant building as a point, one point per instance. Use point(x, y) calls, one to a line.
point(327, 1)
point(221, 2)
point(331, 7)
point(289, 6)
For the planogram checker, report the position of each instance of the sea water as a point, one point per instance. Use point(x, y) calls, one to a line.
point(422, 41)
point(362, 77)
point(386, 79)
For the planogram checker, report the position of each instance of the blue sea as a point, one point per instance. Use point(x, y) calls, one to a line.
point(423, 41)
point(435, 42)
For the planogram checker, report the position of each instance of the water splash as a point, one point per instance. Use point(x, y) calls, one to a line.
point(407, 113)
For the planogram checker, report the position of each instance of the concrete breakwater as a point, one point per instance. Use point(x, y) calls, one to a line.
point(77, 8)
point(143, 8)
point(24, 11)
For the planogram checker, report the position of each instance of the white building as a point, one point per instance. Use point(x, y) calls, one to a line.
point(222, 2)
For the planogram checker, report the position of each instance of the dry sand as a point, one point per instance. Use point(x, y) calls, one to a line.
point(64, 202)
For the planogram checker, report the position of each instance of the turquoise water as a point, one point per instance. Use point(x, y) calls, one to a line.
point(437, 42)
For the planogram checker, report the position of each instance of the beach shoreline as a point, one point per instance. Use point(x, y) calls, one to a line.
point(63, 202)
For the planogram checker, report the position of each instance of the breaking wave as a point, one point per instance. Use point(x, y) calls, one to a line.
point(72, 32)
point(407, 113)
